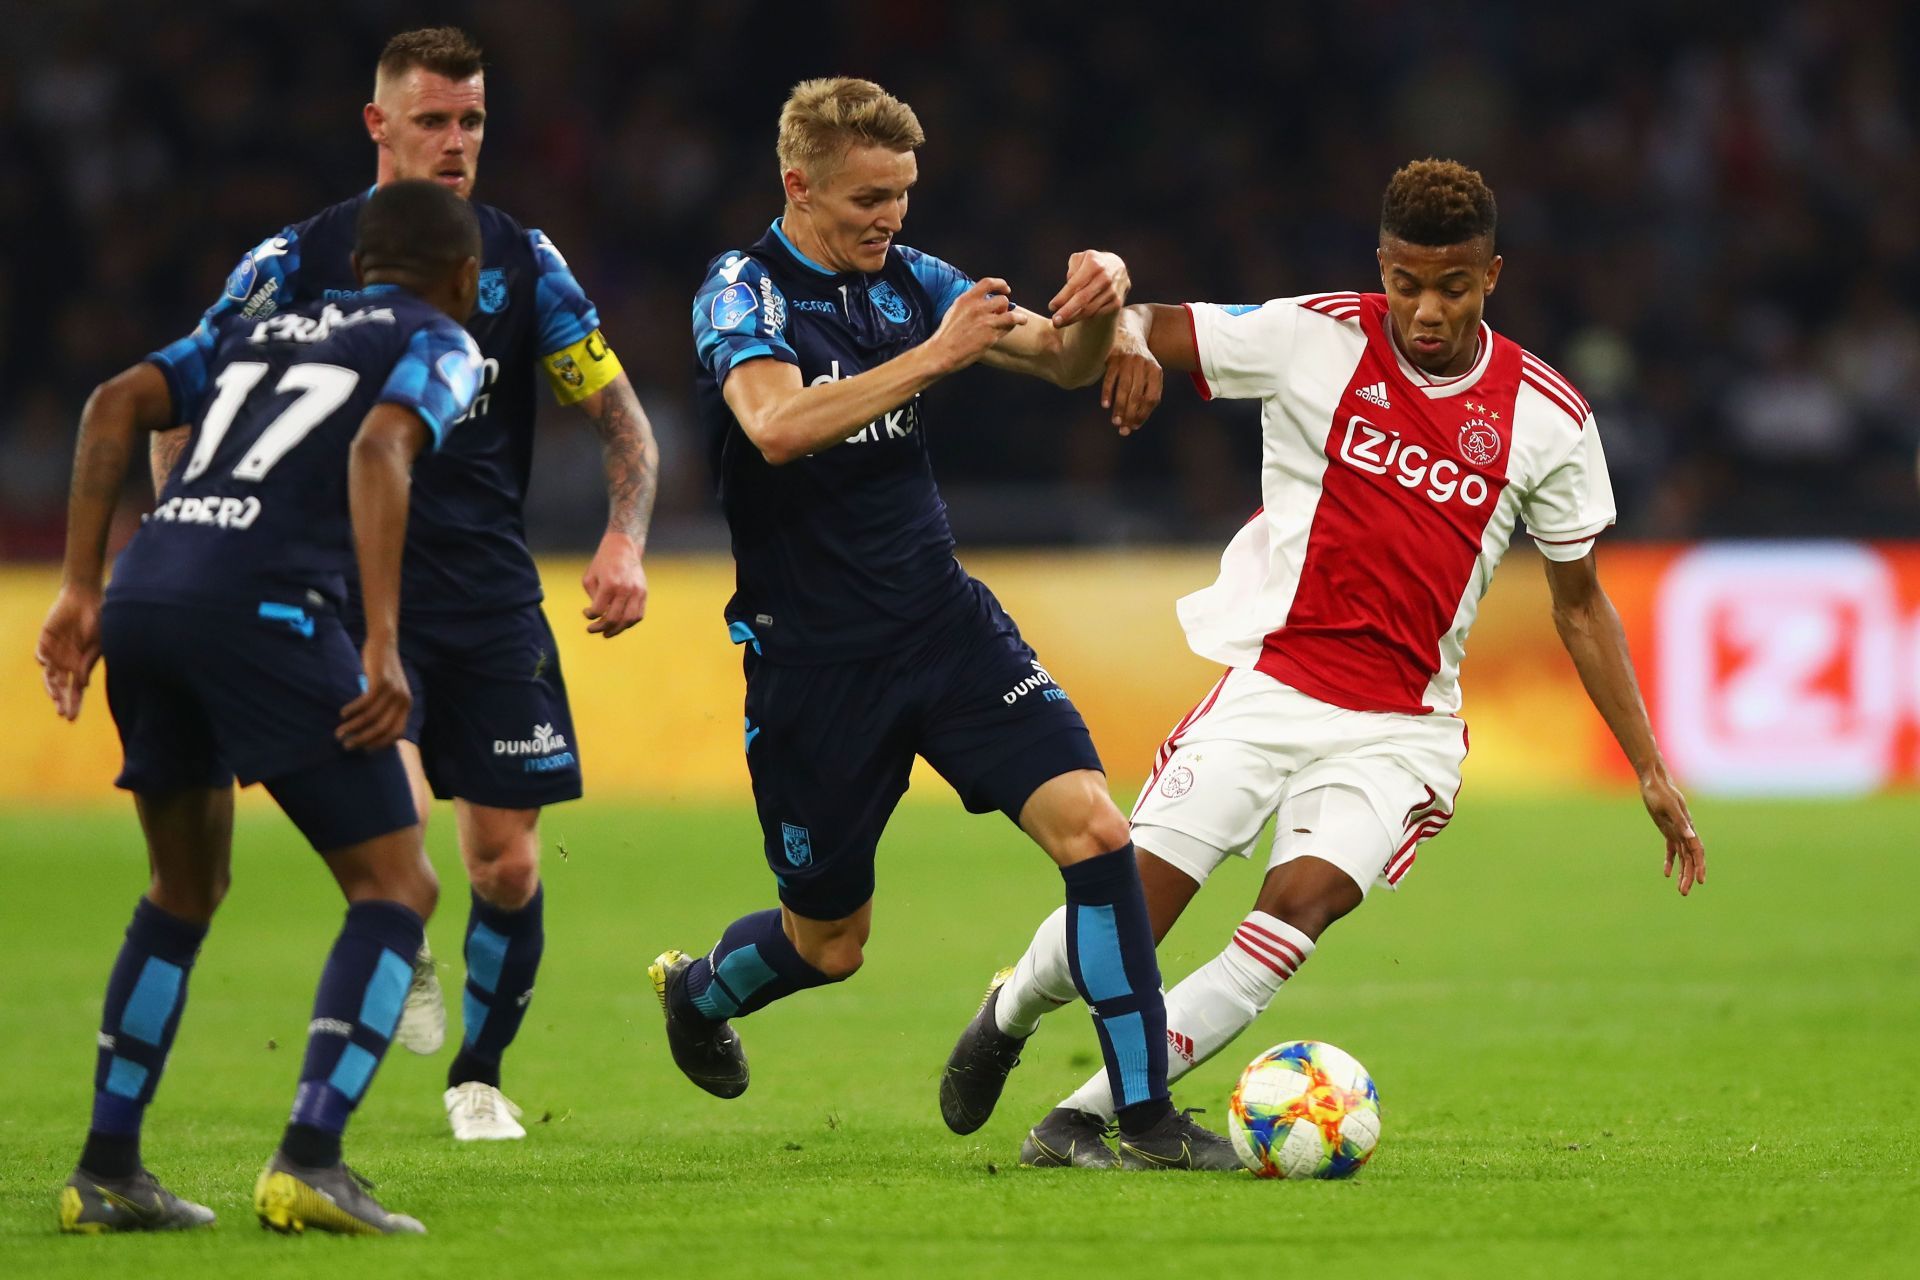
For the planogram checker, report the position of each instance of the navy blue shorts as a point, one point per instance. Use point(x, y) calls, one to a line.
point(490, 712)
point(203, 695)
point(830, 747)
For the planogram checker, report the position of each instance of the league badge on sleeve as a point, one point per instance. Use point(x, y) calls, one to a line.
point(732, 305)
point(241, 282)
point(493, 290)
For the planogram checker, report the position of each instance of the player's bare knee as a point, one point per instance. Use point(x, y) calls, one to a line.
point(414, 885)
point(510, 880)
point(1309, 902)
point(1074, 819)
point(1107, 828)
point(389, 868)
point(191, 898)
point(1096, 834)
point(215, 887)
point(839, 957)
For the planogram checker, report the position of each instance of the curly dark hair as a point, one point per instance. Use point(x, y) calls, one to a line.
point(448, 51)
point(1437, 203)
point(415, 226)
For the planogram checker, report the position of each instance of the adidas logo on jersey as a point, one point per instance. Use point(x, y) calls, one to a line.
point(1375, 394)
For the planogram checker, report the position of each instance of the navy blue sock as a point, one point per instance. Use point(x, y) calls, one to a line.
point(503, 954)
point(354, 1014)
point(751, 966)
point(1110, 951)
point(145, 994)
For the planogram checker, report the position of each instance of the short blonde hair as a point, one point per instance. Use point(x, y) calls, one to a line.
point(825, 118)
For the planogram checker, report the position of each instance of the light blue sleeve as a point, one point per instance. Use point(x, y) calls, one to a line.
point(186, 363)
point(739, 315)
point(436, 376)
point(943, 281)
point(563, 315)
point(259, 284)
point(263, 281)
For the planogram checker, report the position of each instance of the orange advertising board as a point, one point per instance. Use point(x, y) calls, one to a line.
point(1790, 668)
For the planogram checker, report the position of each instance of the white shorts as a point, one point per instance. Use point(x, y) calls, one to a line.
point(1359, 789)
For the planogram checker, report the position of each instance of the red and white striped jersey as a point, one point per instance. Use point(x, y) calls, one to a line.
point(1390, 497)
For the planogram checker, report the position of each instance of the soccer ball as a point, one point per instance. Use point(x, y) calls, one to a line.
point(1304, 1110)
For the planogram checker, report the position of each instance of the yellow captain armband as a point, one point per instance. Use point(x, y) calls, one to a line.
point(578, 371)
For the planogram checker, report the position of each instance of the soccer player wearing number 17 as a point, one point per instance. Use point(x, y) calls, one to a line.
point(864, 641)
point(1404, 442)
point(491, 726)
point(226, 657)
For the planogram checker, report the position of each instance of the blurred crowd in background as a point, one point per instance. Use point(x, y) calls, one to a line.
point(1710, 215)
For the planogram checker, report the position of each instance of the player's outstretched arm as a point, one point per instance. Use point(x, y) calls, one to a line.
point(1150, 339)
point(1590, 629)
point(1068, 346)
point(119, 409)
point(379, 471)
point(616, 581)
point(786, 420)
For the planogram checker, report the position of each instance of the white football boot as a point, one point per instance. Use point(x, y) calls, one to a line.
point(423, 1018)
point(481, 1113)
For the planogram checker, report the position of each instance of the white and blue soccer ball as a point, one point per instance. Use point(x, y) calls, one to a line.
point(1304, 1109)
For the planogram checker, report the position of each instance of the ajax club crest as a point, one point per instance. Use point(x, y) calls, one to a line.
point(1479, 441)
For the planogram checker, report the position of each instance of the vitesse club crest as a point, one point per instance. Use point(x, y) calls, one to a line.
point(493, 290)
point(888, 303)
point(1479, 441)
point(797, 843)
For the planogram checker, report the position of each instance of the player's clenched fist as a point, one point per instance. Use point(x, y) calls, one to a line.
point(1097, 285)
point(977, 319)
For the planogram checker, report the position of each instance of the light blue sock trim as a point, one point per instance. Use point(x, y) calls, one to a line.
point(735, 981)
point(1101, 967)
point(152, 1002)
point(351, 1073)
point(473, 1016)
point(386, 992)
point(126, 1078)
point(1127, 1033)
point(486, 953)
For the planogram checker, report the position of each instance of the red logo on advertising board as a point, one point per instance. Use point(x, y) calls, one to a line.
point(1779, 667)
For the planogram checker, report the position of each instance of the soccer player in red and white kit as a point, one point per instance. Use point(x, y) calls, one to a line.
point(1403, 440)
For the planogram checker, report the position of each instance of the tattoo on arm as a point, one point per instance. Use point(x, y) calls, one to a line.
point(632, 457)
point(164, 452)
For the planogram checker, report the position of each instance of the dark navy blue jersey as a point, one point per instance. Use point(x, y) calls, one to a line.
point(466, 539)
point(256, 511)
point(846, 552)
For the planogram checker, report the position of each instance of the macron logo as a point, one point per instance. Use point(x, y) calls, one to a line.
point(1375, 394)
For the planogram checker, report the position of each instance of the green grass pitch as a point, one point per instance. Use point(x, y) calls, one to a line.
point(1580, 1073)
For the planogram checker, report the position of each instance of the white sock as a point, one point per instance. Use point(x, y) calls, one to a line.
point(1217, 1001)
point(1041, 982)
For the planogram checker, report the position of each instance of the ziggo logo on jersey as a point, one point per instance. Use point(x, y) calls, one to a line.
point(1380, 452)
